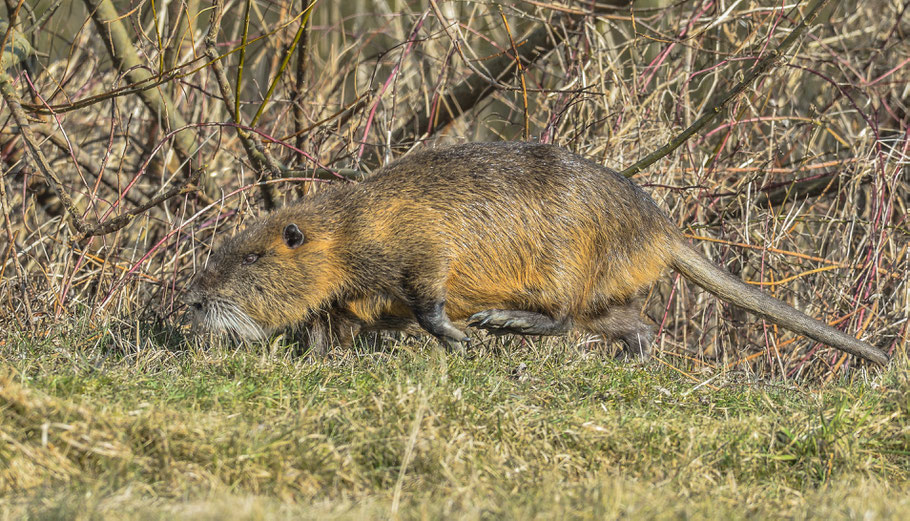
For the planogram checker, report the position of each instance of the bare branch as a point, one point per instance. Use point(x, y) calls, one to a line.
point(261, 160)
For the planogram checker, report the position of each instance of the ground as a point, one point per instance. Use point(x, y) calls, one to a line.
point(99, 426)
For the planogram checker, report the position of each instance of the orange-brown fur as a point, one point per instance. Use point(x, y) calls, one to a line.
point(499, 231)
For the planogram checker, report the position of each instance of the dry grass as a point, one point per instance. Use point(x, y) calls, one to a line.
point(800, 186)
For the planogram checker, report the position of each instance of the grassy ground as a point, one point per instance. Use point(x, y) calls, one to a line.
point(102, 425)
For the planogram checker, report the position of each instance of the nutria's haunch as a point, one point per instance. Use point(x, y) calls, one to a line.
point(517, 238)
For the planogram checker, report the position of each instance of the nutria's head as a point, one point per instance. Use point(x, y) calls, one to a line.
point(274, 274)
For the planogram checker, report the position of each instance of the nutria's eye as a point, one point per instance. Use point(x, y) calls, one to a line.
point(251, 258)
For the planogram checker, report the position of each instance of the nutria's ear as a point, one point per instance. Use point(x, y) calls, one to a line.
point(293, 237)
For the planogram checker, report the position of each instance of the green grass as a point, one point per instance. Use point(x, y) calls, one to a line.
point(102, 425)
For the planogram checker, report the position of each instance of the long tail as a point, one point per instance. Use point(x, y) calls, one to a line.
point(695, 267)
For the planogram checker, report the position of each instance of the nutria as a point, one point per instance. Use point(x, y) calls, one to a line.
point(517, 238)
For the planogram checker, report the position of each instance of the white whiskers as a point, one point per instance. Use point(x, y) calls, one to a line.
point(227, 317)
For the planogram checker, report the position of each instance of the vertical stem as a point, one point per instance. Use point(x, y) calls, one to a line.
point(243, 43)
point(20, 273)
point(300, 78)
point(110, 26)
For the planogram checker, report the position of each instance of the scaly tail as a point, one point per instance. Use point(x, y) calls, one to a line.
point(695, 267)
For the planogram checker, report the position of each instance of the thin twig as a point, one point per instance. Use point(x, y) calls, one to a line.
point(474, 89)
point(299, 82)
point(284, 63)
point(521, 75)
point(21, 275)
point(119, 222)
point(9, 29)
point(244, 39)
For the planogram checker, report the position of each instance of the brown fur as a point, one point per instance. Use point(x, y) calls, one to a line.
point(523, 237)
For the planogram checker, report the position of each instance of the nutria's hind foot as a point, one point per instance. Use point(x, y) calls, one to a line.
point(624, 323)
point(510, 321)
point(638, 344)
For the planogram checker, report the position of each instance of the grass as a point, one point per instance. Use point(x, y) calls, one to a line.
point(97, 424)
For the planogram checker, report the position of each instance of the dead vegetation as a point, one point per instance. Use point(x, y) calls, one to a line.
point(164, 125)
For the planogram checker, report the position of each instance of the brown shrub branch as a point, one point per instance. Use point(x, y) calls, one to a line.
point(261, 160)
point(474, 89)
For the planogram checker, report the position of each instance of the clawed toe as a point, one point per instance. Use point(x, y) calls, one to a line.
point(457, 346)
point(482, 318)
